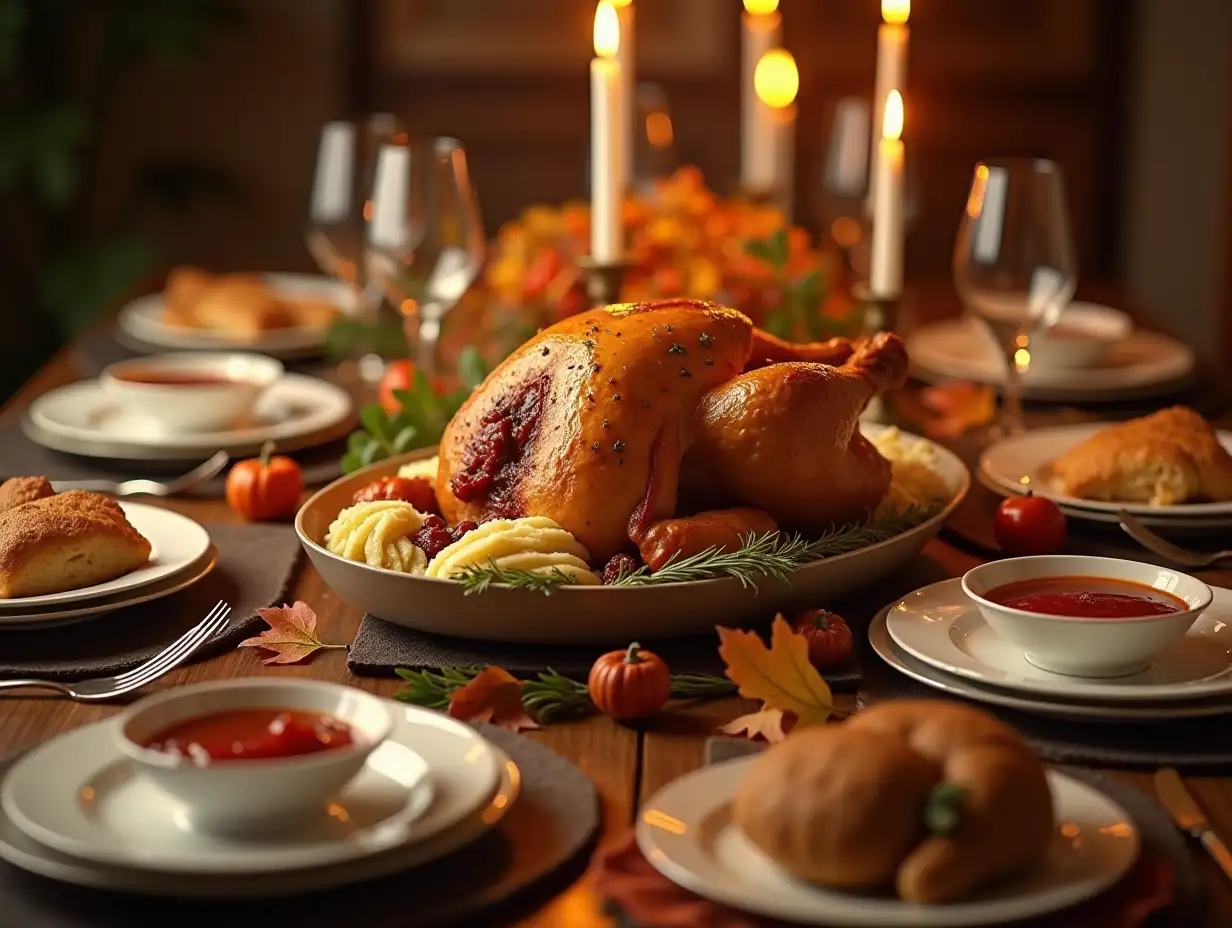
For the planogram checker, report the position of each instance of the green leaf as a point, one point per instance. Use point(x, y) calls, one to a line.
point(351, 462)
point(472, 369)
point(370, 455)
point(404, 440)
point(943, 811)
point(411, 412)
point(778, 323)
point(759, 249)
point(358, 441)
point(375, 420)
point(779, 246)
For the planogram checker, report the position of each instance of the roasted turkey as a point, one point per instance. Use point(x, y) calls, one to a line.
point(588, 423)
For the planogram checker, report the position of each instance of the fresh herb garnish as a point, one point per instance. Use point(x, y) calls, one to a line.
point(418, 424)
point(476, 578)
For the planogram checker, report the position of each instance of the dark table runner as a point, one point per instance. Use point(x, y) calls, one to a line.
point(255, 564)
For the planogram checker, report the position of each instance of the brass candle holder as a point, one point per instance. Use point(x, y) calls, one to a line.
point(881, 312)
point(603, 281)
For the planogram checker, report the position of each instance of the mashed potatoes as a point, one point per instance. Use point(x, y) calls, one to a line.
point(916, 481)
point(425, 468)
point(534, 543)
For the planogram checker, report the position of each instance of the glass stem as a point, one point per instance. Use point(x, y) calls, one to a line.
point(1011, 393)
point(428, 336)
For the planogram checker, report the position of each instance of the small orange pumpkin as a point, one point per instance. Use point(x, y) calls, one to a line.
point(629, 684)
point(264, 488)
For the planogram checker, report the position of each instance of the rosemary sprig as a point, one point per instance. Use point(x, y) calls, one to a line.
point(477, 578)
point(548, 697)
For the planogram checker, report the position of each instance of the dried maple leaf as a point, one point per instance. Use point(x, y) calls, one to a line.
point(767, 723)
point(495, 696)
point(781, 676)
point(957, 406)
point(292, 634)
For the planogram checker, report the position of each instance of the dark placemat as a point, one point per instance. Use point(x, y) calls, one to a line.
point(1159, 835)
point(24, 457)
point(381, 646)
point(536, 852)
point(255, 563)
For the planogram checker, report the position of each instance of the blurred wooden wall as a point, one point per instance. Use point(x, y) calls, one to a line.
point(1042, 78)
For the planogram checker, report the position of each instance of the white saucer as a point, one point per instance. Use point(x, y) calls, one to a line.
point(176, 542)
point(905, 664)
point(24, 620)
point(687, 834)
point(142, 319)
point(295, 412)
point(1015, 465)
point(117, 837)
point(1144, 364)
point(940, 626)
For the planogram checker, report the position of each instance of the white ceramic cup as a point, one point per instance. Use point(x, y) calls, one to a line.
point(218, 388)
point(1086, 647)
point(237, 796)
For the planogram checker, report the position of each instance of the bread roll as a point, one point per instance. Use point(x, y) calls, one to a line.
point(18, 490)
point(66, 542)
point(860, 804)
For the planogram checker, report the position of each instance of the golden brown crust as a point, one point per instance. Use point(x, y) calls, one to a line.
point(18, 490)
point(64, 542)
point(242, 305)
point(1169, 457)
point(845, 805)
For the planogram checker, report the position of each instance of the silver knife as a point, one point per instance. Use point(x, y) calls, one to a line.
point(1189, 816)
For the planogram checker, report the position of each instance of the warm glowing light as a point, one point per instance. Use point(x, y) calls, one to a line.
point(776, 79)
point(895, 12)
point(656, 819)
point(659, 129)
point(975, 202)
point(761, 7)
point(621, 2)
point(1022, 341)
point(892, 124)
point(607, 30)
point(1022, 359)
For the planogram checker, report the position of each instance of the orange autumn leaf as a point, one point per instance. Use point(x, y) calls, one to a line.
point(495, 696)
point(766, 723)
point(957, 407)
point(292, 634)
point(781, 676)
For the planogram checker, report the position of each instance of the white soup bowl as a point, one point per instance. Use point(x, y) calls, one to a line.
point(1086, 647)
point(259, 794)
point(215, 389)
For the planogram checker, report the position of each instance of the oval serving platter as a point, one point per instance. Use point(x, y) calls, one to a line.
point(594, 614)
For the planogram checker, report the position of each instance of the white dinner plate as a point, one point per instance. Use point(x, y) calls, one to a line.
point(25, 620)
point(1144, 364)
point(687, 834)
point(1072, 710)
point(940, 626)
point(295, 412)
point(77, 796)
point(176, 543)
point(1015, 465)
point(142, 319)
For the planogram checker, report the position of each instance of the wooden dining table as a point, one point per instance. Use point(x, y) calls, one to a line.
point(627, 764)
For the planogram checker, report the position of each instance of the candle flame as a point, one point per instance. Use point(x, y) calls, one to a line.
point(607, 30)
point(776, 79)
point(761, 7)
point(892, 124)
point(621, 2)
point(895, 12)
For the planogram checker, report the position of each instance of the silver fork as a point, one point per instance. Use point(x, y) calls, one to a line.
point(1166, 549)
point(199, 474)
point(167, 659)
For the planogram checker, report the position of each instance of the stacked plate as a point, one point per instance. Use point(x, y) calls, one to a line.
point(181, 554)
point(1013, 466)
point(76, 810)
point(1143, 364)
point(937, 636)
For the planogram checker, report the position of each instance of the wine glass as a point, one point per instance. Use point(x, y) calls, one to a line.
point(1014, 262)
point(654, 144)
point(346, 158)
point(425, 239)
point(843, 201)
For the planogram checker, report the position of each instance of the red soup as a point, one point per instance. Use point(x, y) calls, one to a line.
point(175, 378)
point(253, 734)
point(1086, 598)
